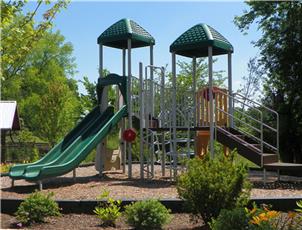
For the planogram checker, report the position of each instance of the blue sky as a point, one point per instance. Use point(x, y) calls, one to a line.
point(82, 22)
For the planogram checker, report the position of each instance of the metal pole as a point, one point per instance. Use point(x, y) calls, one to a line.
point(194, 90)
point(129, 108)
point(231, 120)
point(40, 185)
point(152, 106)
point(152, 78)
point(101, 148)
point(162, 109)
point(174, 152)
point(74, 174)
point(210, 53)
point(141, 120)
point(123, 144)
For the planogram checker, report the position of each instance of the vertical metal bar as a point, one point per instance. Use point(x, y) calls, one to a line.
point(162, 109)
point(194, 90)
point(152, 78)
point(210, 52)
point(101, 149)
point(40, 185)
point(264, 176)
point(152, 155)
point(129, 109)
point(231, 121)
point(74, 175)
point(13, 183)
point(123, 144)
point(141, 120)
point(174, 151)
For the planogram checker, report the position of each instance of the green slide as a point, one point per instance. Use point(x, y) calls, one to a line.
point(73, 149)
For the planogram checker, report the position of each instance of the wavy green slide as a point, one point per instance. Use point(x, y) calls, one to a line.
point(73, 149)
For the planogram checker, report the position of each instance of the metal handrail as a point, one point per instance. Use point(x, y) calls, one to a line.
point(247, 115)
point(268, 109)
point(252, 127)
point(257, 103)
point(258, 139)
point(228, 95)
point(259, 121)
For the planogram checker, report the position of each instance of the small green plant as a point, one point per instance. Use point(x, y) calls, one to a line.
point(5, 167)
point(147, 214)
point(235, 219)
point(36, 207)
point(108, 212)
point(210, 185)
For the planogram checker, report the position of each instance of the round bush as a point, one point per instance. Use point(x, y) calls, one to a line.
point(235, 219)
point(36, 207)
point(210, 185)
point(148, 214)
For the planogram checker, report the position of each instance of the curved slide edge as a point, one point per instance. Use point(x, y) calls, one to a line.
point(17, 171)
point(76, 157)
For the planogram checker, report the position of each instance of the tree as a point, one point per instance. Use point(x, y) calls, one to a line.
point(281, 58)
point(250, 88)
point(20, 33)
point(45, 81)
point(185, 77)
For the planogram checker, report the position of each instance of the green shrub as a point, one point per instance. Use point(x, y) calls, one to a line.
point(235, 219)
point(209, 186)
point(36, 207)
point(148, 214)
point(108, 212)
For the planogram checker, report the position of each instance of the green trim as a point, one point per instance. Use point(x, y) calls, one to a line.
point(128, 25)
point(207, 31)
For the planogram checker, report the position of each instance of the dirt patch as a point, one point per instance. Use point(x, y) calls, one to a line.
point(88, 185)
point(83, 221)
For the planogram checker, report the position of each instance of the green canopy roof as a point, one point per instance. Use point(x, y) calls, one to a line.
point(117, 35)
point(196, 40)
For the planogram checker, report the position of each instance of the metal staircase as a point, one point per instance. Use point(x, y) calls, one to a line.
point(247, 132)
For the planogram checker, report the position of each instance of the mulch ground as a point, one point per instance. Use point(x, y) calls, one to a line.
point(88, 185)
point(83, 221)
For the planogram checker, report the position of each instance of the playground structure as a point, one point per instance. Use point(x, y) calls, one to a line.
point(173, 123)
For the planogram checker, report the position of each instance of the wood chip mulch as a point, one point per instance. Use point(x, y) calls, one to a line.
point(89, 185)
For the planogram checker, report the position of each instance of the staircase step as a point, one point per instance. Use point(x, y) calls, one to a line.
point(269, 158)
point(283, 166)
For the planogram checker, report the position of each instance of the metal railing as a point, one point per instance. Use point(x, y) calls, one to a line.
point(259, 123)
point(269, 110)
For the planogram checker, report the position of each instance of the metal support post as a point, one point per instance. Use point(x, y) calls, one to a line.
point(162, 109)
point(230, 89)
point(210, 52)
point(174, 151)
point(40, 185)
point(194, 91)
point(129, 109)
point(74, 175)
point(264, 176)
point(278, 174)
point(141, 120)
point(151, 78)
point(13, 183)
point(101, 148)
point(123, 144)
